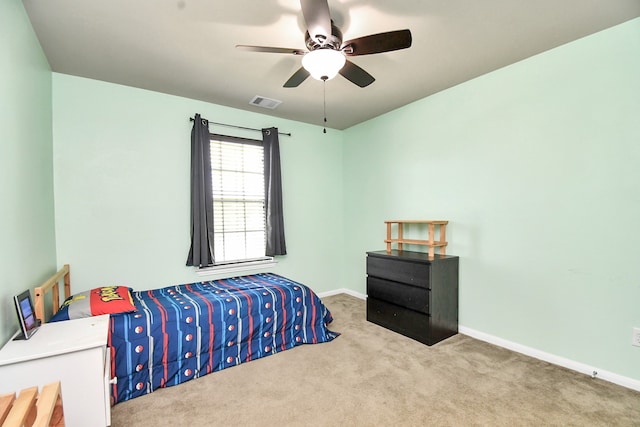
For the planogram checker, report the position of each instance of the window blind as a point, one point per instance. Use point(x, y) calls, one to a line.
point(238, 200)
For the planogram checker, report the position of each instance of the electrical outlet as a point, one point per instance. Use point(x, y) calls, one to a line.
point(635, 340)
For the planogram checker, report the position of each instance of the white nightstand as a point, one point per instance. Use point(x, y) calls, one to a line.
point(73, 352)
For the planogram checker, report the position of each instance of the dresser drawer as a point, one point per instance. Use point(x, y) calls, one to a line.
point(399, 319)
point(411, 273)
point(400, 294)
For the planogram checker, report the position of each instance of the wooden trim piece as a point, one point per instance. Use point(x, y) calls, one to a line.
point(431, 238)
point(49, 406)
point(6, 402)
point(24, 409)
point(419, 242)
point(388, 236)
point(52, 283)
point(67, 282)
point(420, 221)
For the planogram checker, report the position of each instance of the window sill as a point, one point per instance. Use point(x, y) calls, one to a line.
point(237, 267)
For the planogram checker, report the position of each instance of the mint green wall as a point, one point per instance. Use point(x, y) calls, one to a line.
point(122, 158)
point(536, 166)
point(27, 242)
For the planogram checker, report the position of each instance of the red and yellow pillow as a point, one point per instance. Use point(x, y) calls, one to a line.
point(97, 301)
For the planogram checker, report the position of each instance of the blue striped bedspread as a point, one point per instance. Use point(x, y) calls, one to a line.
point(187, 331)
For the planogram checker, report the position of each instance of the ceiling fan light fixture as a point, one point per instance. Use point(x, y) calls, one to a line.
point(323, 64)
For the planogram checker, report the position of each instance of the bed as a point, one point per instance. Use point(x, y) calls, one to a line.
point(164, 337)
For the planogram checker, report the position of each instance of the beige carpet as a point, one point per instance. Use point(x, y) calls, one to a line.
point(370, 376)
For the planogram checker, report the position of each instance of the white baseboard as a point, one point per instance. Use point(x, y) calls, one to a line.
point(552, 358)
point(342, 291)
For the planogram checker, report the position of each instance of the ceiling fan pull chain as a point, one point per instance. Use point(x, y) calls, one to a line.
point(324, 102)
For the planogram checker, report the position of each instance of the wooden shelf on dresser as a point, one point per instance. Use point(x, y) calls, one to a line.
point(413, 294)
point(431, 243)
point(73, 352)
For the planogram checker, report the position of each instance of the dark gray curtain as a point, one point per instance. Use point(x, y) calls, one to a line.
point(273, 193)
point(201, 252)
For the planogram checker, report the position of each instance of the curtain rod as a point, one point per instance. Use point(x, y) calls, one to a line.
point(239, 127)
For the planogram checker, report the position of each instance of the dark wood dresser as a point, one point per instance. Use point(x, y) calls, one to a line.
point(413, 295)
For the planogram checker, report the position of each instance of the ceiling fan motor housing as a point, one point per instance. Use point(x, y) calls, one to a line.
point(320, 41)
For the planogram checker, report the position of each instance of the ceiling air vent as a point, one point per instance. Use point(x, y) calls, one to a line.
point(261, 101)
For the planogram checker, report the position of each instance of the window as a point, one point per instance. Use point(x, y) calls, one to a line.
point(246, 228)
point(237, 174)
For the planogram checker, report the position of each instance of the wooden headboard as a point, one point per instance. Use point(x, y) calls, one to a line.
point(52, 284)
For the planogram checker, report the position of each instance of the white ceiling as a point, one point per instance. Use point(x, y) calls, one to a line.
point(187, 47)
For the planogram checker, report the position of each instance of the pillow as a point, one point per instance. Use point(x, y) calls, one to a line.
point(97, 301)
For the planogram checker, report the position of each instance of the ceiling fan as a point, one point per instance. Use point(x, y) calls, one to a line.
point(326, 55)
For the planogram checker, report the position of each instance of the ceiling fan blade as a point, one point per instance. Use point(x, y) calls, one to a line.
point(356, 75)
point(297, 78)
point(378, 43)
point(318, 18)
point(268, 49)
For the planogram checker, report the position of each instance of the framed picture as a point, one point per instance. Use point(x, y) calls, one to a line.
point(26, 315)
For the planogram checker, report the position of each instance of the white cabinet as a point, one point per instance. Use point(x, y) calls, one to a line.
point(73, 352)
